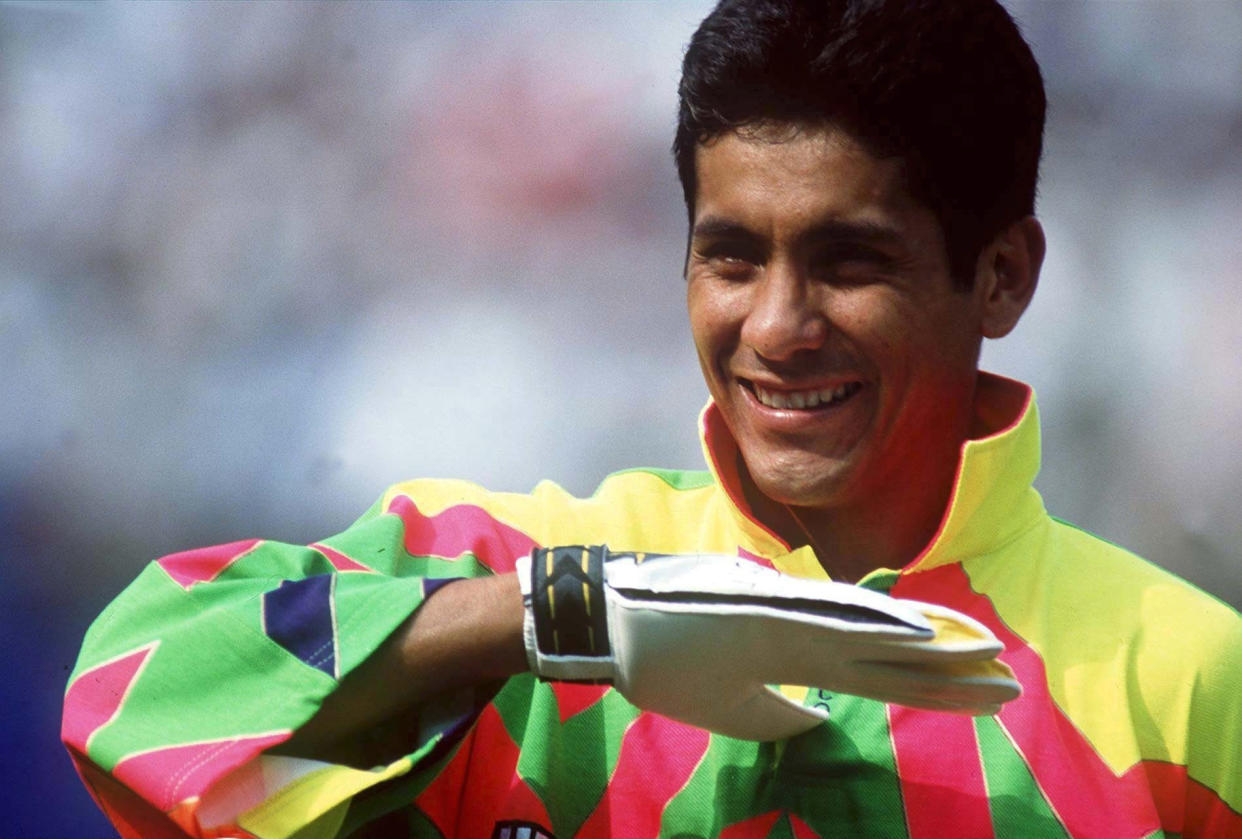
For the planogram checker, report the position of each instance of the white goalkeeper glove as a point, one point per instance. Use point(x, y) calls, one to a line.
point(700, 637)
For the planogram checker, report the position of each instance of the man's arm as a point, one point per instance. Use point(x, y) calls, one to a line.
point(214, 658)
point(468, 633)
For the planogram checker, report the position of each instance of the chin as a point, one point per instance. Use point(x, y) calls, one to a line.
point(800, 486)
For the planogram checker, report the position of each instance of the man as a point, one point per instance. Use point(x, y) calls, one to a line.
point(860, 181)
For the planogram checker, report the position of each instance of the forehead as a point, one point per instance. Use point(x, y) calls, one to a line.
point(770, 179)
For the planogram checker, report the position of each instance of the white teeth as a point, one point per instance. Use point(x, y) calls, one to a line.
point(803, 399)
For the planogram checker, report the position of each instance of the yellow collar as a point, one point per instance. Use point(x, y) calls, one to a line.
point(992, 500)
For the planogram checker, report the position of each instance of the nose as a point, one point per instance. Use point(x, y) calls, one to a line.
point(783, 318)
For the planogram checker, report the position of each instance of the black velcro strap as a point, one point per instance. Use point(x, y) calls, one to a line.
point(567, 597)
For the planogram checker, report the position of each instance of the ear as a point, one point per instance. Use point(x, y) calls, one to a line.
point(1006, 275)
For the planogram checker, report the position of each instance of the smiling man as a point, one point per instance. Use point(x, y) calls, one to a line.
point(837, 346)
point(859, 621)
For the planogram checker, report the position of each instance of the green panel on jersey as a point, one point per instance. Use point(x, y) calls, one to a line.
point(841, 777)
point(379, 544)
point(731, 783)
point(420, 826)
point(676, 478)
point(384, 811)
point(210, 667)
point(881, 580)
point(566, 764)
point(267, 562)
point(1018, 806)
point(218, 658)
point(782, 829)
point(132, 621)
point(374, 511)
point(513, 703)
point(436, 568)
point(368, 609)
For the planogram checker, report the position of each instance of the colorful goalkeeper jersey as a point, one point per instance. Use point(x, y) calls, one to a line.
point(1129, 725)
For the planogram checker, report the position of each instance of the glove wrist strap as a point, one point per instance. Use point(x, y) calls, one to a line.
point(566, 625)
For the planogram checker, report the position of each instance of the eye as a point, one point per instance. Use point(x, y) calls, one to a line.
point(850, 262)
point(728, 259)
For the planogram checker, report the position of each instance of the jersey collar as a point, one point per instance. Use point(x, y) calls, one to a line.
point(992, 501)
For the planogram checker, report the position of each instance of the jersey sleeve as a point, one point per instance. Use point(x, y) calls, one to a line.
point(1211, 792)
point(213, 656)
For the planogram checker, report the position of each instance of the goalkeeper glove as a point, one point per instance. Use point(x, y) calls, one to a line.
point(700, 637)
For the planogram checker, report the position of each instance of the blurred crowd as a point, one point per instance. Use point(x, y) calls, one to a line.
point(260, 261)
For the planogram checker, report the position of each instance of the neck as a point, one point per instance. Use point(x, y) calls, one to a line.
point(891, 533)
point(889, 528)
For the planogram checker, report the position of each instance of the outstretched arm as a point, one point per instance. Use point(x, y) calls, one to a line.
point(468, 633)
point(192, 681)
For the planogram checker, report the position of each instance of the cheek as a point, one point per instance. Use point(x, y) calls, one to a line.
point(714, 318)
point(875, 320)
point(939, 357)
point(907, 339)
point(954, 334)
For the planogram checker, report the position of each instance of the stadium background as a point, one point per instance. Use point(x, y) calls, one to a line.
point(259, 261)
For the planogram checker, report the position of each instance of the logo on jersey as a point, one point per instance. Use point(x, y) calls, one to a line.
point(520, 830)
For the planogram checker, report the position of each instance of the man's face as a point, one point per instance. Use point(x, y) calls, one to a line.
point(828, 328)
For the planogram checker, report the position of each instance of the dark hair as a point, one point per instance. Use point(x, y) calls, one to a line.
point(947, 86)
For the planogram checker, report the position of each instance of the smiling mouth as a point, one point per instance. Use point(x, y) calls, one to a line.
point(802, 400)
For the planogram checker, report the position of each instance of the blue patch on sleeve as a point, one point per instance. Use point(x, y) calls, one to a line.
point(433, 584)
point(298, 615)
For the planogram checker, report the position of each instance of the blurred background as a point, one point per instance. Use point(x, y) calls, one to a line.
point(259, 261)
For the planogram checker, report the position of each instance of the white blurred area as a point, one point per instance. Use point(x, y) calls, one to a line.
point(261, 260)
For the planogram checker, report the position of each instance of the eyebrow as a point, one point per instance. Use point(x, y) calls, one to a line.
point(715, 227)
point(828, 230)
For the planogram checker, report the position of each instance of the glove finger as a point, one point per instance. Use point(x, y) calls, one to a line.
point(907, 651)
point(963, 686)
point(950, 625)
point(922, 687)
point(781, 627)
point(706, 583)
point(957, 637)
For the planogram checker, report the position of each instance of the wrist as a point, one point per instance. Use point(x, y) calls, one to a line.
point(565, 622)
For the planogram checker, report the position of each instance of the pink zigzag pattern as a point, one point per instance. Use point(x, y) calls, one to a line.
point(167, 776)
point(203, 565)
point(801, 830)
point(573, 699)
point(460, 530)
point(753, 828)
point(340, 561)
point(658, 757)
point(96, 696)
point(761, 560)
